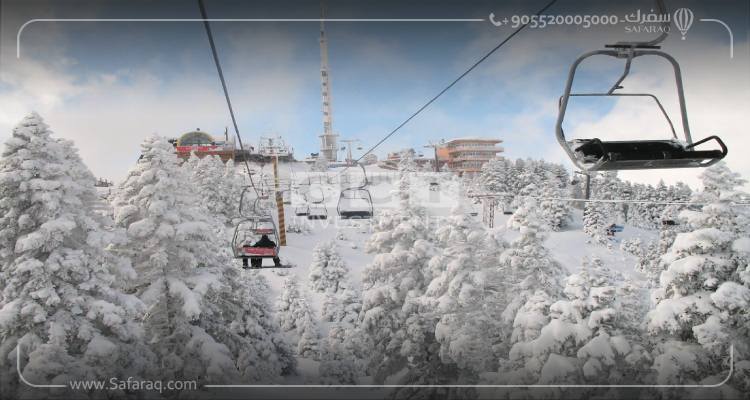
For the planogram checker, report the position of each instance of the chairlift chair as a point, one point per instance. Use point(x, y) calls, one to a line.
point(317, 211)
point(356, 202)
point(250, 203)
point(316, 208)
point(247, 233)
point(596, 154)
point(300, 208)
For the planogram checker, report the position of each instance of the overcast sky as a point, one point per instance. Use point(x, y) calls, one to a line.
point(108, 85)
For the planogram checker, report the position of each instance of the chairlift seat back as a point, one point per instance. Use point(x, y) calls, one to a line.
point(355, 214)
point(261, 252)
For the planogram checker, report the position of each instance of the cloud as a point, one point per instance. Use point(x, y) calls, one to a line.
point(109, 113)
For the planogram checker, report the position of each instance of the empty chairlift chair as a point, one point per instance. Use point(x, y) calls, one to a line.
point(251, 205)
point(355, 202)
point(598, 154)
point(316, 206)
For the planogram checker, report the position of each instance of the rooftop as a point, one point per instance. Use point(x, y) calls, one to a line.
point(473, 139)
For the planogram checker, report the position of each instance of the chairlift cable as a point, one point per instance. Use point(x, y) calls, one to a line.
point(215, 54)
point(610, 201)
point(453, 83)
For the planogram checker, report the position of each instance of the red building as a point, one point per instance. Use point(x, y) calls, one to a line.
point(203, 144)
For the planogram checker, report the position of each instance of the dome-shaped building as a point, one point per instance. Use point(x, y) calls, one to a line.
point(195, 138)
point(202, 144)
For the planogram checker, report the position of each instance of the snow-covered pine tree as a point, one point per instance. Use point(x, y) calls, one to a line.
point(494, 176)
point(309, 338)
point(292, 307)
point(554, 213)
point(465, 274)
point(585, 338)
point(338, 364)
point(342, 306)
point(704, 291)
point(527, 214)
point(234, 182)
point(614, 352)
point(212, 189)
point(395, 277)
point(173, 250)
point(529, 269)
point(61, 309)
point(327, 269)
point(598, 216)
point(527, 323)
point(251, 333)
point(633, 247)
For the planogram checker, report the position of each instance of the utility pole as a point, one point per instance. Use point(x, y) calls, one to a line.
point(279, 200)
point(489, 203)
point(349, 158)
point(587, 181)
point(273, 149)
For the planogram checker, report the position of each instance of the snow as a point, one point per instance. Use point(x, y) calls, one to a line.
point(421, 294)
point(731, 296)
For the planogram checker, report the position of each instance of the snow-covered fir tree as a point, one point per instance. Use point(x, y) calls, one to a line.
point(292, 307)
point(338, 364)
point(555, 214)
point(253, 335)
point(527, 323)
point(632, 246)
point(180, 269)
point(704, 290)
point(342, 306)
point(527, 214)
point(529, 267)
point(327, 269)
point(309, 338)
point(207, 177)
point(393, 280)
point(598, 216)
point(495, 176)
point(586, 337)
point(233, 183)
point(62, 309)
point(466, 274)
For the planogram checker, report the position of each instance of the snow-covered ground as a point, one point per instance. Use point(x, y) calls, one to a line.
point(568, 246)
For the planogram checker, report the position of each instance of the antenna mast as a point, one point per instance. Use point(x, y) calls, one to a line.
point(328, 145)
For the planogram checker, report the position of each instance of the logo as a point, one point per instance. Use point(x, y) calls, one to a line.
point(683, 19)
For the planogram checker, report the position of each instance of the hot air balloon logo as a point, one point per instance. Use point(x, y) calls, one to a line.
point(683, 19)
